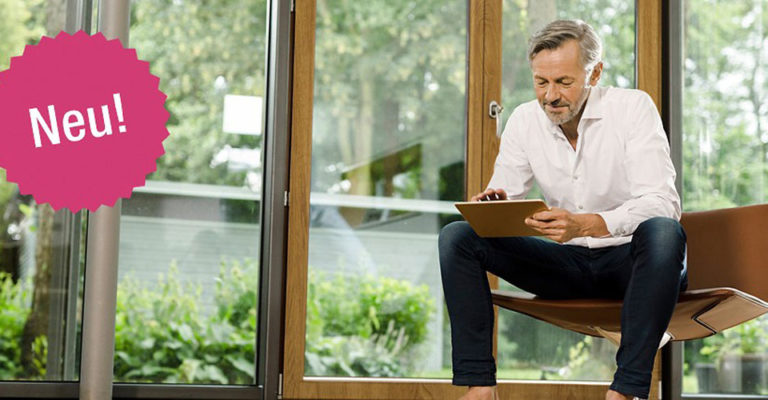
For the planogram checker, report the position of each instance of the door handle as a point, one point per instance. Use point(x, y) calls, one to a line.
point(494, 111)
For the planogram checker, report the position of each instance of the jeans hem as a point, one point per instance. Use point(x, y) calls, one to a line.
point(640, 392)
point(474, 380)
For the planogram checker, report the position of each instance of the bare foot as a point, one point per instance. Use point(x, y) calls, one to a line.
point(614, 395)
point(481, 393)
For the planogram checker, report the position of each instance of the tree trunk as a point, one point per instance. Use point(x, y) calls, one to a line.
point(37, 321)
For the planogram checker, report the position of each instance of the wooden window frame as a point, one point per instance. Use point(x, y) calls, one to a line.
point(483, 85)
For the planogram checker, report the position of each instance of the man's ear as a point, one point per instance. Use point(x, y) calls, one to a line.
point(597, 72)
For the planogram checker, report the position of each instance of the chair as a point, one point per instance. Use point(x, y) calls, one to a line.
point(727, 265)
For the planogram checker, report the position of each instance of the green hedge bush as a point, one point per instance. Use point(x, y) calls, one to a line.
point(14, 309)
point(356, 326)
point(162, 336)
point(363, 325)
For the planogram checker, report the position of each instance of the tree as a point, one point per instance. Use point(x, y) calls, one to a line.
point(201, 50)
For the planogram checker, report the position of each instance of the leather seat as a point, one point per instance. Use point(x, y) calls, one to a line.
point(727, 265)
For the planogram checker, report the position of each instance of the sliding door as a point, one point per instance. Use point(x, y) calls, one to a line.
point(390, 126)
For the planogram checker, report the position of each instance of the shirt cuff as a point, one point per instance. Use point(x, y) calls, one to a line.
point(616, 222)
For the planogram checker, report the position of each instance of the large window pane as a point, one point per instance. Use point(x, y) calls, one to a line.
point(528, 348)
point(387, 163)
point(41, 251)
point(189, 239)
point(725, 152)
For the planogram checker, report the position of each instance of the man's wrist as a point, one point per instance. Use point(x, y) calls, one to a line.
point(593, 225)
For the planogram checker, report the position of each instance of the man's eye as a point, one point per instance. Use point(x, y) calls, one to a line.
point(541, 83)
point(567, 84)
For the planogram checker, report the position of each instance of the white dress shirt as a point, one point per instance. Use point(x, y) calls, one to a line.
point(620, 168)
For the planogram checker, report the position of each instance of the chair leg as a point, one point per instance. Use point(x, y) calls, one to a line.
point(615, 337)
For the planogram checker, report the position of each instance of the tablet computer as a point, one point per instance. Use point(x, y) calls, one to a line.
point(500, 218)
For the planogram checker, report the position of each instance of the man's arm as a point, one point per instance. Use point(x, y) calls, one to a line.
point(562, 225)
point(651, 177)
point(512, 171)
point(650, 172)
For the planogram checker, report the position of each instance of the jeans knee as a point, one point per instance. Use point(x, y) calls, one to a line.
point(453, 235)
point(661, 230)
point(663, 239)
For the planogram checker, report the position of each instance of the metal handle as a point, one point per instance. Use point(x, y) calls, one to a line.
point(494, 111)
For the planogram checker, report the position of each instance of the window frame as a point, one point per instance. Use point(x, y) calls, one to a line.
point(273, 225)
point(483, 85)
point(672, 117)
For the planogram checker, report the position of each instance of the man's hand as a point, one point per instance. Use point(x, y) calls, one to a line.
point(561, 225)
point(490, 195)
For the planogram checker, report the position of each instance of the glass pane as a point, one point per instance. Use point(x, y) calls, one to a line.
point(41, 251)
point(387, 164)
point(725, 153)
point(189, 239)
point(528, 348)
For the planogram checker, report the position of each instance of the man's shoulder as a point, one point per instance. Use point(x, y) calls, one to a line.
point(614, 96)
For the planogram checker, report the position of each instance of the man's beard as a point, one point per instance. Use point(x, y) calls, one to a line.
point(573, 110)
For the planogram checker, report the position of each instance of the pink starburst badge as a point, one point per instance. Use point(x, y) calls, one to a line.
point(82, 121)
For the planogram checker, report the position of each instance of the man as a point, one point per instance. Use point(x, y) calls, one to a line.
point(601, 159)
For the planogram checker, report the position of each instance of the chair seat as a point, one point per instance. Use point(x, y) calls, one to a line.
point(699, 313)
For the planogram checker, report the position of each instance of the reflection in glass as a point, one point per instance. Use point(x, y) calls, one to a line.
point(528, 348)
point(41, 251)
point(725, 163)
point(387, 163)
point(189, 239)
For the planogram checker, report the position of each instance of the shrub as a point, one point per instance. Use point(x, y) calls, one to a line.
point(364, 326)
point(14, 309)
point(356, 326)
point(161, 336)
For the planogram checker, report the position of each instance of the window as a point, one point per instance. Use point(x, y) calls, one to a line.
point(387, 163)
point(41, 251)
point(189, 239)
point(725, 163)
point(528, 348)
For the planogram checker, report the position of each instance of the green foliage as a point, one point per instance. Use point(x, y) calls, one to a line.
point(201, 50)
point(527, 341)
point(725, 146)
point(379, 355)
point(357, 326)
point(21, 25)
point(352, 305)
point(585, 360)
point(15, 298)
point(14, 308)
point(388, 75)
point(161, 335)
point(364, 326)
point(748, 338)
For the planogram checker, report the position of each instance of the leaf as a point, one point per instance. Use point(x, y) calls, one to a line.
point(248, 367)
point(186, 333)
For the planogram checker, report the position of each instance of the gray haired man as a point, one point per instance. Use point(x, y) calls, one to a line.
point(601, 159)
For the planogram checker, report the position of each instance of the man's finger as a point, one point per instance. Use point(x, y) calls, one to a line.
point(540, 224)
point(544, 216)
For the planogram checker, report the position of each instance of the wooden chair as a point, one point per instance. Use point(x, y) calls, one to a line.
point(727, 265)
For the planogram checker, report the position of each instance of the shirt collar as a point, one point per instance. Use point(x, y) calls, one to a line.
point(593, 110)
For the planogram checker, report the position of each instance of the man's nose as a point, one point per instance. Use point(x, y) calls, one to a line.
point(552, 93)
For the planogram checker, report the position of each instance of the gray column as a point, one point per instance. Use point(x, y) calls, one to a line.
point(100, 295)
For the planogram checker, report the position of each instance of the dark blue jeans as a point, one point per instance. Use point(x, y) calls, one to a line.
point(647, 273)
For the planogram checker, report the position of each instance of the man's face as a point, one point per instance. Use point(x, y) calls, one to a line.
point(560, 81)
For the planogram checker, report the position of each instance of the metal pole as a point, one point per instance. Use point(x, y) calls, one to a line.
point(672, 356)
point(274, 213)
point(101, 260)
